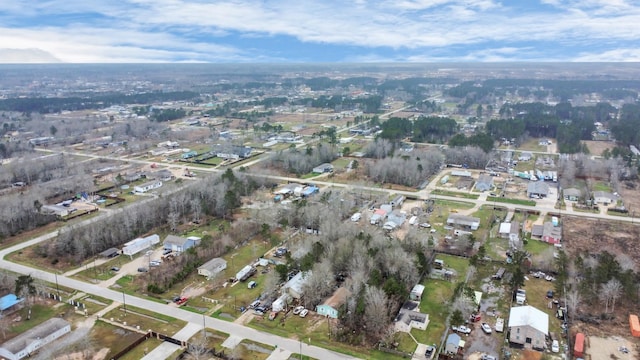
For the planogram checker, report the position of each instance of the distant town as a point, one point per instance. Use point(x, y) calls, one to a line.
point(373, 211)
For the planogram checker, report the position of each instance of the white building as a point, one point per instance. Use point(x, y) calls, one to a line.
point(148, 186)
point(33, 339)
point(212, 267)
point(136, 245)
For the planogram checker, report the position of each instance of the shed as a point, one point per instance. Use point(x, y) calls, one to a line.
point(416, 292)
point(578, 347)
point(212, 267)
point(110, 253)
point(508, 228)
point(634, 325)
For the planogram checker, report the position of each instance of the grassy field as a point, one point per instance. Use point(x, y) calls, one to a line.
point(536, 247)
point(341, 163)
point(142, 349)
point(39, 314)
point(248, 349)
point(104, 335)
point(600, 186)
point(146, 319)
point(214, 338)
point(455, 194)
point(511, 201)
point(452, 204)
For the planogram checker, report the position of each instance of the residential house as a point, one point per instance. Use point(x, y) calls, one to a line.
point(461, 173)
point(58, 210)
point(212, 267)
point(323, 168)
point(604, 198)
point(162, 175)
point(148, 186)
point(454, 344)
point(409, 317)
point(572, 194)
point(508, 228)
point(294, 286)
point(537, 189)
point(330, 307)
point(528, 327)
point(30, 341)
point(551, 233)
point(180, 244)
point(397, 217)
point(484, 183)
point(245, 273)
point(378, 216)
point(281, 303)
point(463, 221)
point(136, 245)
point(233, 152)
point(525, 156)
point(416, 292)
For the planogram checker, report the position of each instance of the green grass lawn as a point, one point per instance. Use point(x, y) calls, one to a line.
point(536, 247)
point(600, 186)
point(104, 335)
point(146, 319)
point(511, 201)
point(142, 349)
point(341, 163)
point(455, 194)
point(39, 314)
point(452, 204)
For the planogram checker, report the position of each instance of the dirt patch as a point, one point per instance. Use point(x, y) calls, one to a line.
point(597, 147)
point(630, 195)
point(610, 348)
point(615, 237)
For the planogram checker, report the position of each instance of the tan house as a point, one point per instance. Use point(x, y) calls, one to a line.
point(528, 327)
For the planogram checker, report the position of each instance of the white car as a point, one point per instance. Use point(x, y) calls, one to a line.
point(462, 329)
point(356, 217)
point(304, 312)
point(555, 346)
point(486, 328)
point(297, 310)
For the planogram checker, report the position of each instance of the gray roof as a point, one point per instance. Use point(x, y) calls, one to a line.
point(214, 264)
point(463, 219)
point(552, 231)
point(537, 230)
point(572, 192)
point(605, 194)
point(538, 187)
point(41, 331)
point(175, 240)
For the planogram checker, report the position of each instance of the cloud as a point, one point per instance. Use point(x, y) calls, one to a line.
point(26, 56)
point(268, 30)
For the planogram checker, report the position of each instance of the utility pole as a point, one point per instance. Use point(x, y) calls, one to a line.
point(204, 328)
point(57, 287)
point(124, 304)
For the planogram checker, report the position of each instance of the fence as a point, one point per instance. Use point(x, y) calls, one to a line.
point(131, 346)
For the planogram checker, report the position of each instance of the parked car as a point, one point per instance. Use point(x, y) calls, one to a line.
point(251, 284)
point(356, 217)
point(154, 263)
point(488, 357)
point(166, 252)
point(258, 312)
point(182, 300)
point(304, 312)
point(425, 225)
point(550, 294)
point(461, 329)
point(297, 310)
point(555, 346)
point(430, 352)
point(115, 268)
point(142, 269)
point(281, 251)
point(486, 328)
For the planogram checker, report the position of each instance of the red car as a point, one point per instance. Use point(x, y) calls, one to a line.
point(181, 301)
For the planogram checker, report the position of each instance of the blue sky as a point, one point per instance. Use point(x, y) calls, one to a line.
point(275, 31)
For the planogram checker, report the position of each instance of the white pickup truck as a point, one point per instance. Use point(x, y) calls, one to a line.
point(521, 296)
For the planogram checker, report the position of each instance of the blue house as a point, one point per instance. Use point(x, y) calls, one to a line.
point(180, 244)
point(454, 344)
point(330, 307)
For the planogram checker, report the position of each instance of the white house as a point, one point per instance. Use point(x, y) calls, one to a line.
point(136, 245)
point(416, 292)
point(410, 318)
point(35, 338)
point(294, 286)
point(323, 168)
point(604, 197)
point(212, 267)
point(148, 186)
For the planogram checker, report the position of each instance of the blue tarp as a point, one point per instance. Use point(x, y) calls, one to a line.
point(8, 301)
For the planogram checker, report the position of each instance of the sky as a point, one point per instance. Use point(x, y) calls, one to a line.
point(323, 31)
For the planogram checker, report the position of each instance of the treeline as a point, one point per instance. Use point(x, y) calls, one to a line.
point(161, 115)
point(56, 105)
point(481, 140)
point(378, 273)
point(626, 129)
point(296, 161)
point(431, 129)
point(564, 122)
point(214, 196)
point(405, 169)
